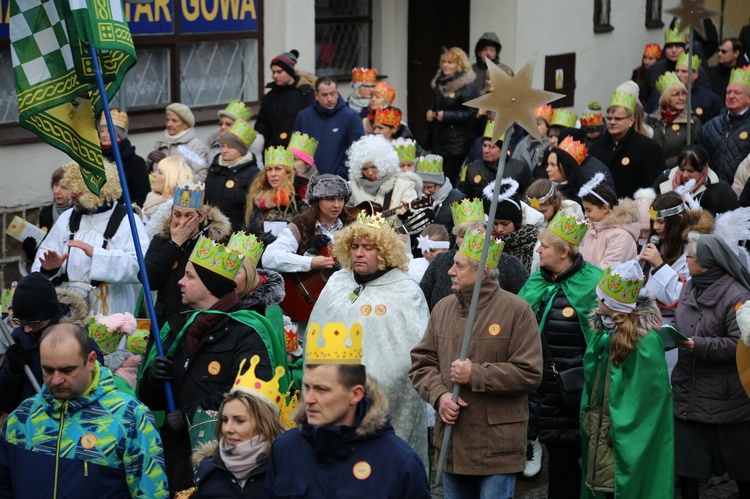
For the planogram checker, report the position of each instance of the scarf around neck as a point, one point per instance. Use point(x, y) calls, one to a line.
point(206, 322)
point(59, 209)
point(371, 187)
point(241, 459)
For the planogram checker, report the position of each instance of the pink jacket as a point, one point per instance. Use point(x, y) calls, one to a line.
point(614, 238)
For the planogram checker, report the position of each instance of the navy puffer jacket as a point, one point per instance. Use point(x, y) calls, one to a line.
point(727, 140)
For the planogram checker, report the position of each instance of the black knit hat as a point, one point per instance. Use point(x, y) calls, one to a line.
point(216, 284)
point(35, 298)
point(507, 210)
point(287, 61)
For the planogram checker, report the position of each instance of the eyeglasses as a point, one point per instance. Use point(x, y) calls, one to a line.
point(30, 324)
point(616, 118)
point(722, 51)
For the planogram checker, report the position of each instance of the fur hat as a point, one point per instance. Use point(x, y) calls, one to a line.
point(183, 112)
point(109, 193)
point(328, 186)
point(287, 61)
point(374, 149)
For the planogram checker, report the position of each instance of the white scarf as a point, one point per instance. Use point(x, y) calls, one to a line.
point(244, 457)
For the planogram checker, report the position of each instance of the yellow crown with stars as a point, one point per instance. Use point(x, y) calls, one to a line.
point(575, 148)
point(665, 80)
point(304, 143)
point(623, 99)
point(467, 210)
point(278, 155)
point(189, 194)
point(489, 129)
point(375, 220)
point(268, 391)
point(333, 344)
point(740, 75)
point(243, 131)
point(675, 35)
point(568, 227)
point(247, 244)
point(471, 247)
point(563, 117)
point(237, 110)
point(217, 258)
point(682, 60)
point(406, 149)
point(119, 119)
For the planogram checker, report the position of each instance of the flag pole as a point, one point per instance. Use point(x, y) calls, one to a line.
point(475, 295)
point(690, 86)
point(131, 219)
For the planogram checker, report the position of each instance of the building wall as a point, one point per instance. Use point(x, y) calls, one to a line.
point(389, 46)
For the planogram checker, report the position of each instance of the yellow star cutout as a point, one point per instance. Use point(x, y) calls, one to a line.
point(691, 14)
point(513, 99)
point(535, 203)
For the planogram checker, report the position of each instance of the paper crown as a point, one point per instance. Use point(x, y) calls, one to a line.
point(623, 99)
point(247, 244)
point(189, 194)
point(217, 258)
point(406, 149)
point(675, 35)
point(119, 118)
point(544, 111)
point(375, 220)
point(137, 342)
point(574, 148)
point(334, 344)
point(107, 331)
point(489, 129)
point(7, 300)
point(563, 117)
point(568, 227)
point(740, 75)
point(430, 164)
point(618, 288)
point(682, 60)
point(467, 210)
point(268, 391)
point(301, 142)
point(471, 247)
point(665, 80)
point(386, 91)
point(652, 50)
point(591, 120)
point(278, 155)
point(291, 337)
point(364, 75)
point(390, 116)
point(237, 110)
point(243, 131)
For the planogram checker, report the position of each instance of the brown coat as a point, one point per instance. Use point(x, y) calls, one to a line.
point(489, 437)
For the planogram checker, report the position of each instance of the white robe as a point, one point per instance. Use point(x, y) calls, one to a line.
point(394, 315)
point(116, 266)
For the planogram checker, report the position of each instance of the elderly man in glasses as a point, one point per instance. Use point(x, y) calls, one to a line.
point(37, 305)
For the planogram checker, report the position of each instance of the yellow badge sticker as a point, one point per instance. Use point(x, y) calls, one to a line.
point(380, 310)
point(494, 329)
point(214, 368)
point(738, 305)
point(88, 441)
point(477, 179)
point(568, 312)
point(229, 184)
point(743, 135)
point(365, 310)
point(625, 161)
point(675, 127)
point(175, 265)
point(283, 135)
point(699, 111)
point(362, 470)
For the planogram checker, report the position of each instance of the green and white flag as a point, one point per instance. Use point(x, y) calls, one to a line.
point(55, 82)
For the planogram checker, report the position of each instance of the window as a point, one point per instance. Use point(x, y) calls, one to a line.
point(653, 14)
point(343, 36)
point(602, 10)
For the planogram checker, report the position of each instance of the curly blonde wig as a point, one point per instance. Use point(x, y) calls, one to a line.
point(261, 186)
point(391, 249)
point(109, 193)
point(457, 55)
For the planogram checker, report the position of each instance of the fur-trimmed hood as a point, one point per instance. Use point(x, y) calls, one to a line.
point(203, 451)
point(414, 178)
point(268, 294)
point(219, 227)
point(624, 216)
point(648, 315)
point(79, 309)
point(453, 84)
point(704, 225)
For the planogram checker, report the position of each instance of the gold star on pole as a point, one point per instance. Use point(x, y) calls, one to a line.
point(513, 99)
point(692, 13)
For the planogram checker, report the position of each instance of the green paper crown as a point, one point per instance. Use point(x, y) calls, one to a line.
point(665, 80)
point(238, 110)
point(683, 61)
point(247, 244)
point(189, 194)
point(568, 227)
point(675, 35)
point(563, 117)
point(740, 75)
point(304, 143)
point(137, 342)
point(623, 99)
point(217, 258)
point(618, 288)
point(7, 300)
point(243, 131)
point(432, 164)
point(489, 129)
point(406, 150)
point(467, 210)
point(471, 247)
point(279, 156)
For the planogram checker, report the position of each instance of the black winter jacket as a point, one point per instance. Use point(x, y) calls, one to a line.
point(727, 140)
point(214, 481)
point(227, 187)
point(479, 174)
point(279, 109)
point(452, 137)
point(136, 171)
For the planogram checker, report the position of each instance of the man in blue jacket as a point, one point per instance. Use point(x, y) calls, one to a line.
point(333, 123)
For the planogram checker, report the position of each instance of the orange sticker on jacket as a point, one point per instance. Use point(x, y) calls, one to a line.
point(365, 310)
point(477, 179)
point(625, 161)
point(88, 441)
point(214, 368)
point(568, 312)
point(380, 310)
point(738, 305)
point(362, 470)
point(743, 135)
point(494, 329)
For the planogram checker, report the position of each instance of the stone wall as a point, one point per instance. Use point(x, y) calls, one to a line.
point(11, 249)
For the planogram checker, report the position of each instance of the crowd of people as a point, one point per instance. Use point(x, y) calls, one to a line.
point(314, 267)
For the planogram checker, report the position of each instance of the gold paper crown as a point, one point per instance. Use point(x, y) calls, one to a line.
point(682, 60)
point(243, 131)
point(237, 110)
point(489, 129)
point(278, 155)
point(623, 99)
point(675, 35)
point(364, 75)
point(568, 227)
point(740, 75)
point(189, 194)
point(652, 50)
point(268, 391)
point(390, 116)
point(471, 247)
point(618, 288)
point(334, 344)
point(215, 257)
point(467, 210)
point(406, 149)
point(119, 118)
point(665, 80)
point(563, 117)
point(375, 220)
point(303, 143)
point(591, 120)
point(432, 163)
point(247, 244)
point(544, 111)
point(574, 148)
point(386, 91)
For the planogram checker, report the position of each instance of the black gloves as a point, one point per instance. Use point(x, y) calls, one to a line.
point(177, 421)
point(161, 370)
point(29, 248)
point(18, 357)
point(266, 238)
point(318, 243)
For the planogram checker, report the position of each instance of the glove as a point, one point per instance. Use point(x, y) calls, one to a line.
point(161, 370)
point(18, 357)
point(29, 248)
point(318, 243)
point(267, 238)
point(156, 156)
point(176, 421)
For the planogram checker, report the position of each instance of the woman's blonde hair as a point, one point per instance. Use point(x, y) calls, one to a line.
point(669, 91)
point(457, 55)
point(266, 417)
point(622, 343)
point(560, 244)
point(260, 184)
point(175, 171)
point(251, 278)
point(392, 250)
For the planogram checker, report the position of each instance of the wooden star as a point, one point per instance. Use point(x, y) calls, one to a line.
point(513, 99)
point(692, 13)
